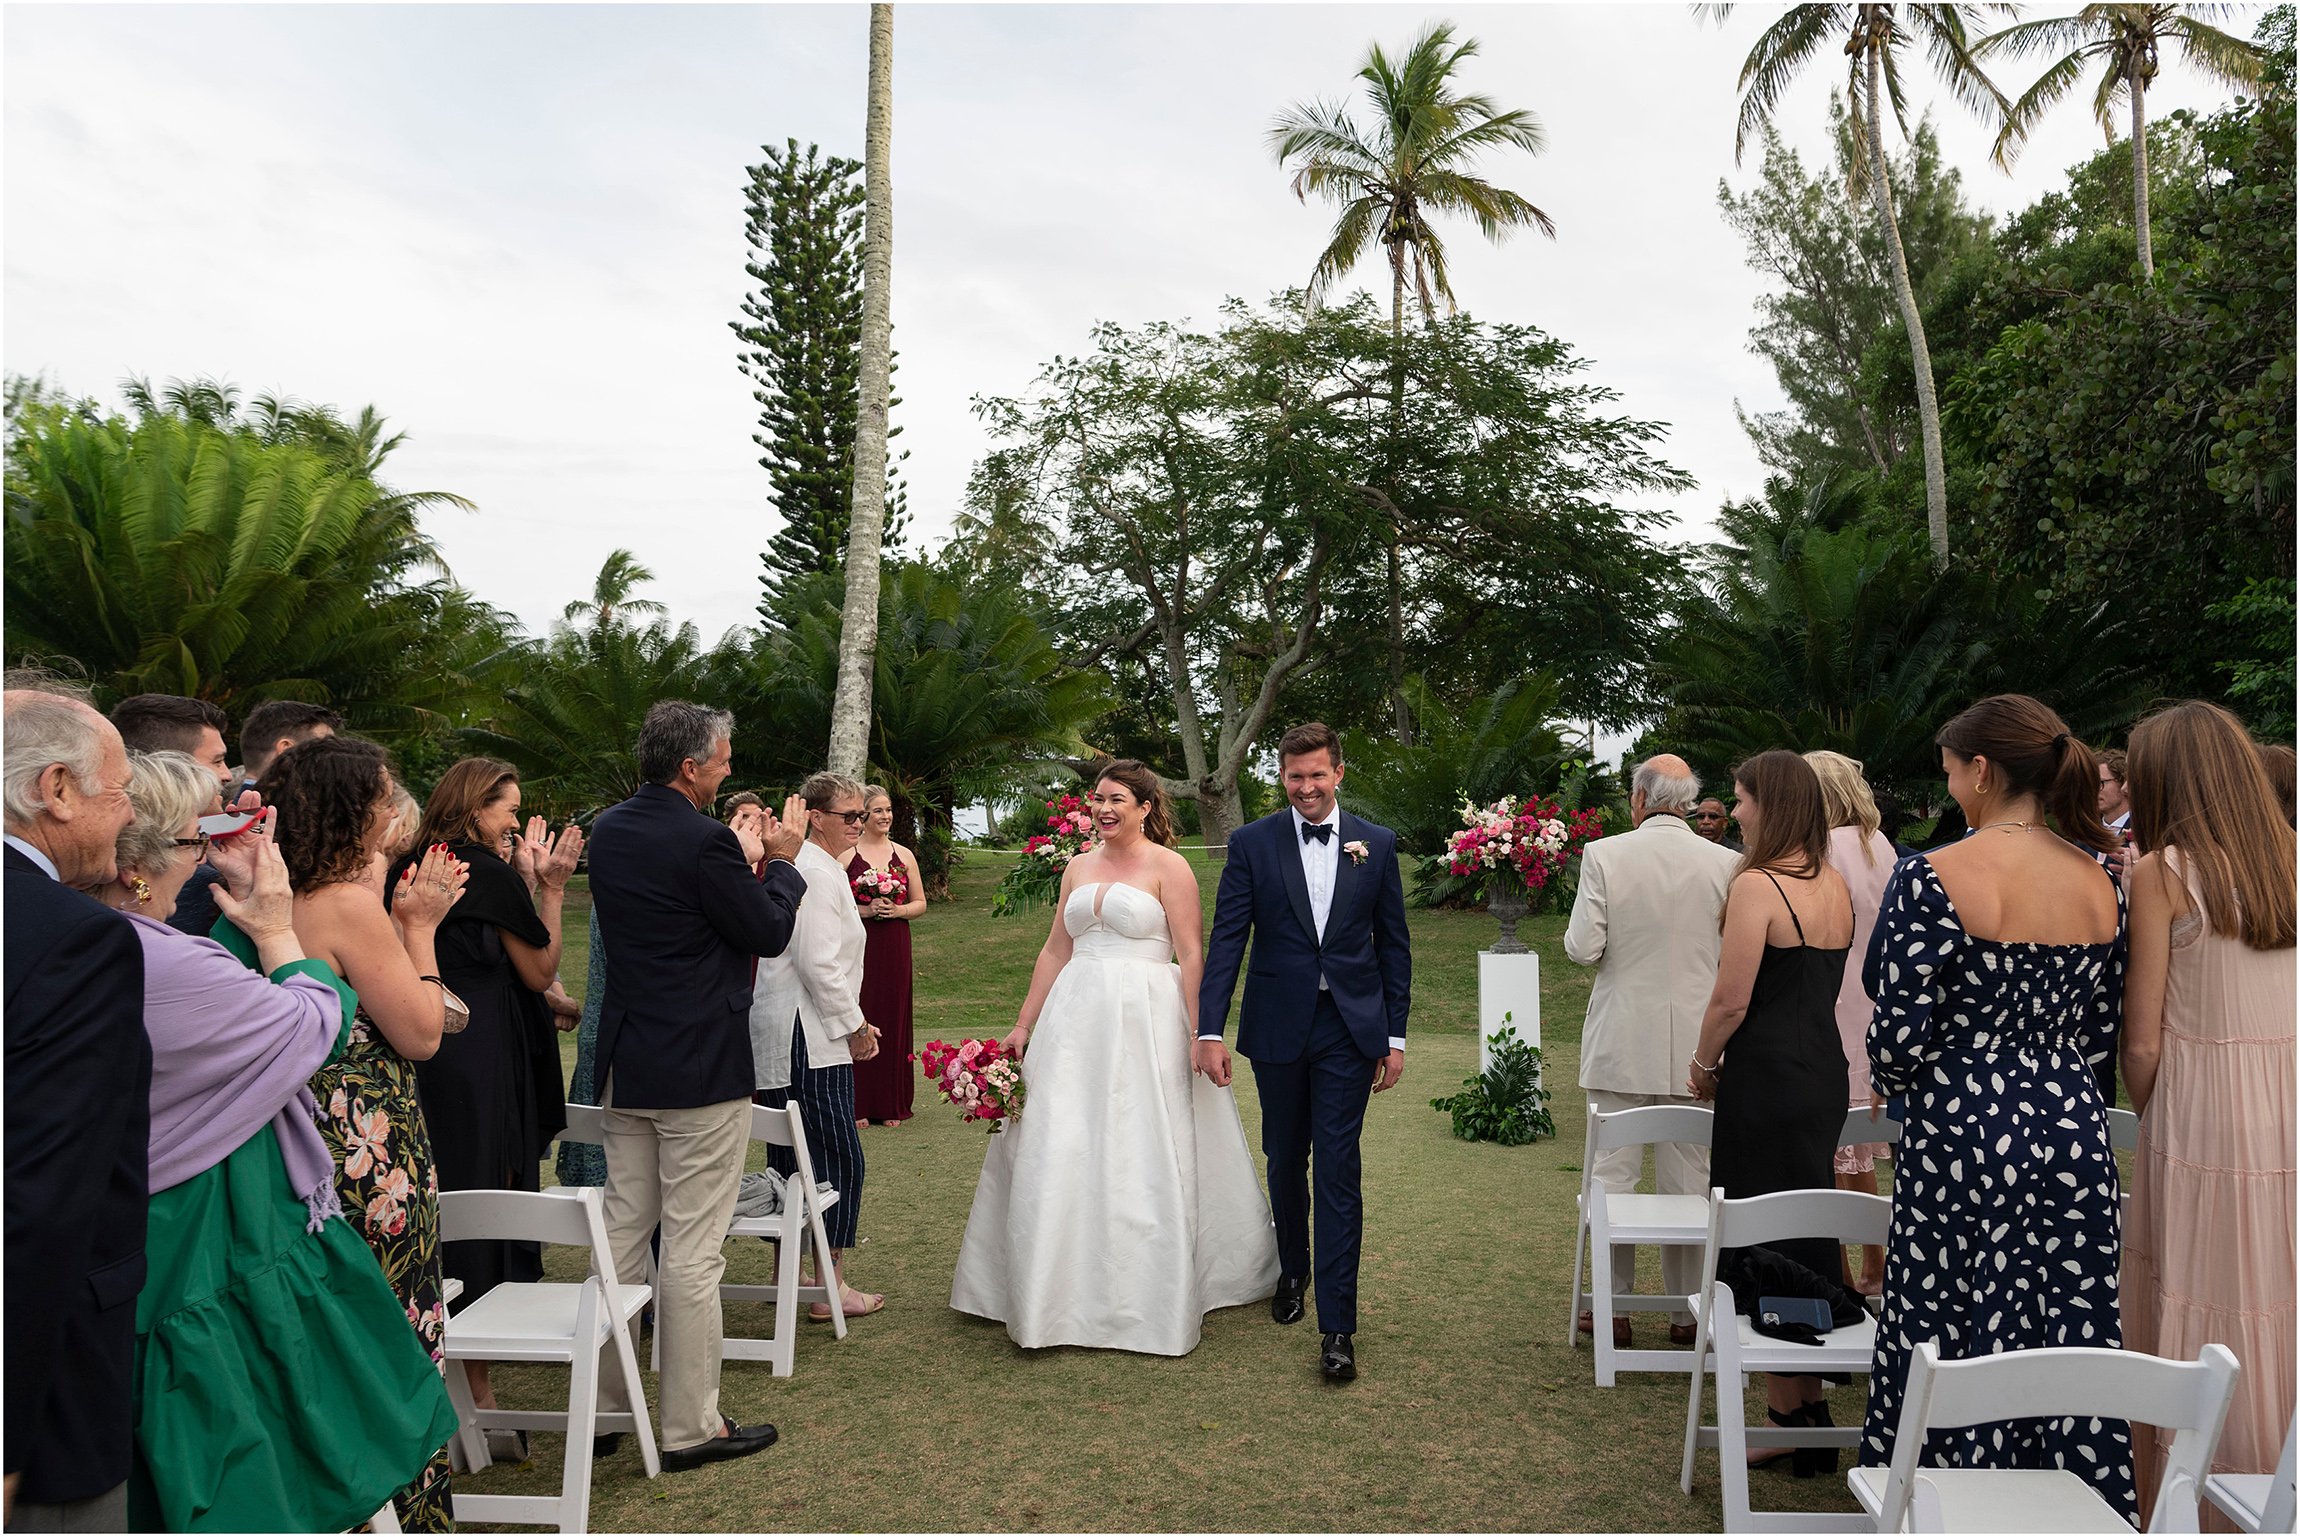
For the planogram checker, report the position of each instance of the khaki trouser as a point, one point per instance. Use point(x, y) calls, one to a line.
point(681, 1169)
point(1678, 1169)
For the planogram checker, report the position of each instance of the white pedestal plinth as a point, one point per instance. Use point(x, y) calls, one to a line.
point(1507, 985)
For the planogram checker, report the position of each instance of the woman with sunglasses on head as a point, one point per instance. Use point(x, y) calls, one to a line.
point(277, 1385)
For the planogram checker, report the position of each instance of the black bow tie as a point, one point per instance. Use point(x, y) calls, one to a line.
point(1321, 831)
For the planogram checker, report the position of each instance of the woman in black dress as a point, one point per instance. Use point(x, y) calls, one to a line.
point(493, 1094)
point(1769, 1053)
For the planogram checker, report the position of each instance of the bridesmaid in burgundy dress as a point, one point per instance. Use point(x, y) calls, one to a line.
point(890, 893)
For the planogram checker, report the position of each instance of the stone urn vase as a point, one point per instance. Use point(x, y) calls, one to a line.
point(1508, 906)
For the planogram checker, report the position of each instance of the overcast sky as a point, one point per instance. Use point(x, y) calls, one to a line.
point(518, 230)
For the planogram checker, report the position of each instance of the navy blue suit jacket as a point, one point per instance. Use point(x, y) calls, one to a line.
point(79, 1076)
point(1366, 958)
point(681, 917)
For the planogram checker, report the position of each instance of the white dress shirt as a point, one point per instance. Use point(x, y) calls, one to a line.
point(818, 977)
point(1319, 862)
point(49, 865)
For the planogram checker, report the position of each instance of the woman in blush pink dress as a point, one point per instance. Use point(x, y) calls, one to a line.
point(2208, 1061)
point(1861, 854)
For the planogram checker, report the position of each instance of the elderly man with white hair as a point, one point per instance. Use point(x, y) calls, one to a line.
point(78, 1075)
point(1646, 917)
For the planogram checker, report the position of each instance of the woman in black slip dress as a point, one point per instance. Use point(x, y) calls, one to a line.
point(1770, 1055)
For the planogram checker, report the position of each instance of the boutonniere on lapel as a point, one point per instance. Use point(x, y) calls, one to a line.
point(1356, 850)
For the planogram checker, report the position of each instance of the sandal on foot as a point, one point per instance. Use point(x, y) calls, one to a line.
point(872, 1302)
point(1767, 1456)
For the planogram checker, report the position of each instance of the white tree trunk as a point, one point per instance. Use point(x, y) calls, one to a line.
point(866, 526)
point(1920, 356)
point(2139, 89)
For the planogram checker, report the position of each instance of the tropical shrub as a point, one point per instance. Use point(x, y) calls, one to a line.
point(1506, 1103)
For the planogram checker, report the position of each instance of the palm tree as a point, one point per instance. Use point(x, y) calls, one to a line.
point(866, 527)
point(1873, 36)
point(1413, 162)
point(619, 577)
point(2124, 40)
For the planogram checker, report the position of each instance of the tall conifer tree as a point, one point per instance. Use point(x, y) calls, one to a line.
point(801, 336)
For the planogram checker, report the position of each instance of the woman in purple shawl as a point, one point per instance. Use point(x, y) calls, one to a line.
point(278, 1386)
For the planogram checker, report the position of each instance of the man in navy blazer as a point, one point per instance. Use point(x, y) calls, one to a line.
point(1328, 988)
point(78, 1073)
point(681, 918)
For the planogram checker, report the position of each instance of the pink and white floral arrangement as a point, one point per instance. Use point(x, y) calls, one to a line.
point(893, 884)
point(1531, 840)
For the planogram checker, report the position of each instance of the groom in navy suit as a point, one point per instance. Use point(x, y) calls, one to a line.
point(1324, 1019)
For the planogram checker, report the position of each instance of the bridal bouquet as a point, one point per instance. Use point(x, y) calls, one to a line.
point(982, 1078)
point(1531, 841)
point(1037, 875)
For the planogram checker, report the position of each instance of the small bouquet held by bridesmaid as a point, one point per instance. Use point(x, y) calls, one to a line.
point(892, 884)
point(982, 1078)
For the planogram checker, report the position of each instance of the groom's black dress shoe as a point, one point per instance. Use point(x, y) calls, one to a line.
point(1286, 1305)
point(739, 1441)
point(1337, 1359)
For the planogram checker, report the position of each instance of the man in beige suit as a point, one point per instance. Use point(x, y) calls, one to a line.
point(1647, 919)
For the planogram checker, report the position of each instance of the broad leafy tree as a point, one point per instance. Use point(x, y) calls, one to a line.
point(1215, 505)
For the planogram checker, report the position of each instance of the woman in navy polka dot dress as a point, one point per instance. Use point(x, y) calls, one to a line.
point(1997, 967)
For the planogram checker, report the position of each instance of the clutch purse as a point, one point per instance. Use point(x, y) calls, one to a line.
point(458, 1012)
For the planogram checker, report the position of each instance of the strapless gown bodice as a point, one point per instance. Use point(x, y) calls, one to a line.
point(1114, 922)
point(1122, 1205)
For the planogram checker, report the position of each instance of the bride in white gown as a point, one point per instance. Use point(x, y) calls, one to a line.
point(1121, 1206)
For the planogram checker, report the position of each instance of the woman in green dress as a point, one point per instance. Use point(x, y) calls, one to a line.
point(334, 797)
point(277, 1386)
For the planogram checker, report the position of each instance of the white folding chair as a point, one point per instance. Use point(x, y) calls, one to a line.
point(2123, 1130)
point(1726, 1346)
point(549, 1321)
point(2259, 1502)
point(1606, 1219)
point(2189, 1398)
point(788, 1229)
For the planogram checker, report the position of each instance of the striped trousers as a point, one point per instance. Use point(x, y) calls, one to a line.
point(826, 1100)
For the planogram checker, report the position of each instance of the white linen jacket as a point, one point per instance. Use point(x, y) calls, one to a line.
point(818, 977)
point(1646, 918)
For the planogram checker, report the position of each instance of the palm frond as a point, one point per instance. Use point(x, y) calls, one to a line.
point(2040, 98)
point(2232, 61)
point(1776, 57)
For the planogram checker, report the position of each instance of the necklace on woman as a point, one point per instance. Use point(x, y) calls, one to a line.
point(2009, 826)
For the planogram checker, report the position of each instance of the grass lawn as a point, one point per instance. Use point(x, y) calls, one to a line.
point(1470, 1412)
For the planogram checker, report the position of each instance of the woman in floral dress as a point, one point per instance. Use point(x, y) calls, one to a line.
point(334, 796)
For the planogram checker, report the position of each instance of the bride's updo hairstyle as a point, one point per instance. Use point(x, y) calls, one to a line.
point(1138, 781)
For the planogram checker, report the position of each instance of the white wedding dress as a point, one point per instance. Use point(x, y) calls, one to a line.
point(1121, 1206)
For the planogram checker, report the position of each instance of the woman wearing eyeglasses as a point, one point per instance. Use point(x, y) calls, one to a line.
point(277, 1386)
point(807, 1025)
